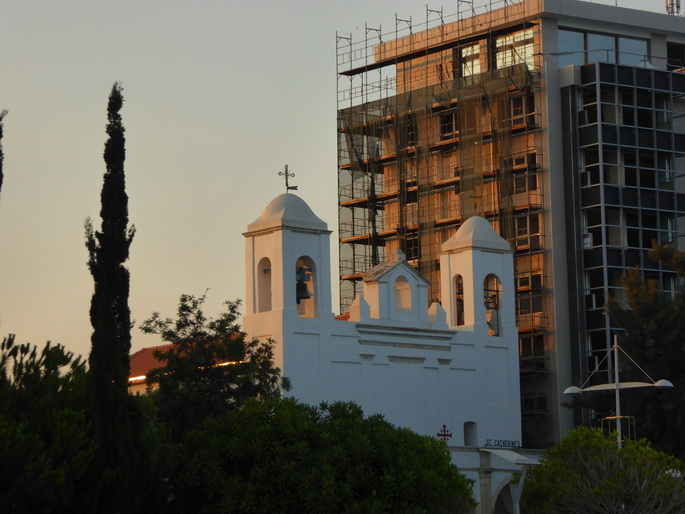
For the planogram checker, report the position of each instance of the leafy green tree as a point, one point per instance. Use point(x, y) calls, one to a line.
point(654, 324)
point(282, 456)
point(587, 473)
point(2, 155)
point(123, 483)
point(210, 368)
point(45, 446)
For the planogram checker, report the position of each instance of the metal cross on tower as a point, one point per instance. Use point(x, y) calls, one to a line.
point(444, 434)
point(287, 175)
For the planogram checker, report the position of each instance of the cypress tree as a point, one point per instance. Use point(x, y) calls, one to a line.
point(111, 320)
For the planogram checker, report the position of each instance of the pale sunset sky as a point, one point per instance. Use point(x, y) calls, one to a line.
point(219, 96)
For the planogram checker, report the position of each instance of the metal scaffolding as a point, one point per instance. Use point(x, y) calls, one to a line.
point(430, 135)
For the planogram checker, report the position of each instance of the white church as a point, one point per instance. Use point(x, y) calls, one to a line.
point(447, 371)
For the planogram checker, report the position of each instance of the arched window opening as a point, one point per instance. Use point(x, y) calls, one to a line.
point(492, 294)
point(470, 434)
point(305, 287)
point(458, 289)
point(263, 302)
point(402, 294)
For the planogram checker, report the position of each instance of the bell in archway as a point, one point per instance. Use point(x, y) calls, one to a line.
point(301, 291)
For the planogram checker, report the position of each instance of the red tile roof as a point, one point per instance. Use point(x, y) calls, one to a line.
point(144, 361)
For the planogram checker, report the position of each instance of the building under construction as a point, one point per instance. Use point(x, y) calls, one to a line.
point(559, 121)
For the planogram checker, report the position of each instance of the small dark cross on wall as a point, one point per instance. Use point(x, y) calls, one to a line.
point(287, 175)
point(444, 434)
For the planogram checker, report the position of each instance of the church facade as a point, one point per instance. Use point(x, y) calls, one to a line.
point(448, 371)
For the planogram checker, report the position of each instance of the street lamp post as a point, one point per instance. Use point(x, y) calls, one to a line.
point(617, 386)
point(619, 425)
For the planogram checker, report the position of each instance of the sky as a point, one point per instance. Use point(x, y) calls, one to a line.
point(219, 96)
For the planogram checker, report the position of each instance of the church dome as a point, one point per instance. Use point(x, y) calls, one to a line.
point(476, 232)
point(287, 210)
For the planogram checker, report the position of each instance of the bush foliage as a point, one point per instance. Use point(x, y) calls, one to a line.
point(587, 473)
point(282, 456)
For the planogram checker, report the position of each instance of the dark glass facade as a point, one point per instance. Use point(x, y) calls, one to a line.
point(626, 144)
